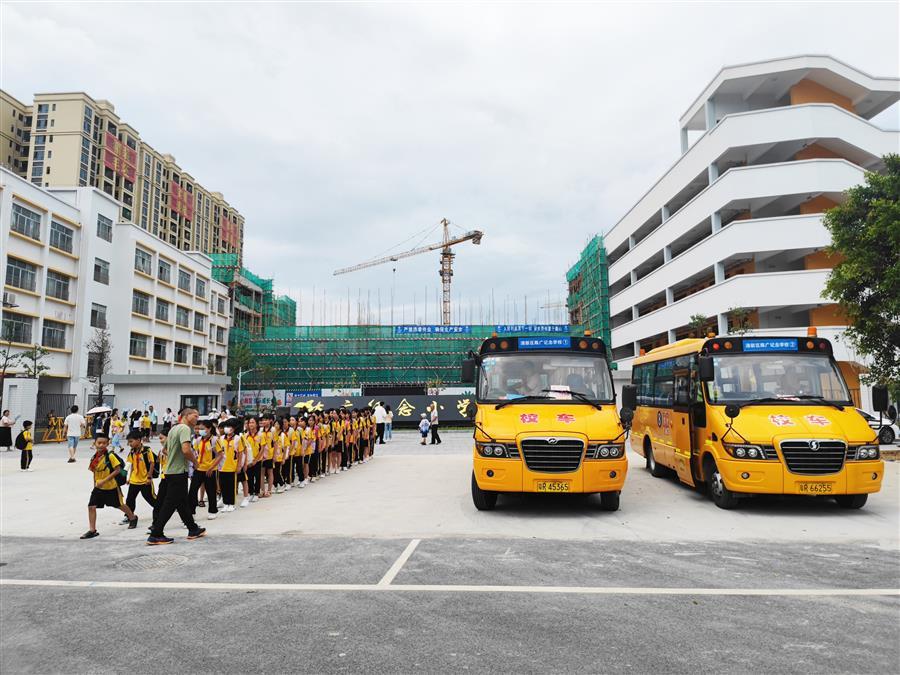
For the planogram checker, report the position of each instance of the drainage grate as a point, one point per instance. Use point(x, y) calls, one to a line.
point(151, 562)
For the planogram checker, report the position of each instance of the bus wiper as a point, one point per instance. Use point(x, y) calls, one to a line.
point(578, 395)
point(766, 399)
point(810, 397)
point(520, 399)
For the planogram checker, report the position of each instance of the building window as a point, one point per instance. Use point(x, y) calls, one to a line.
point(159, 349)
point(181, 351)
point(20, 274)
point(61, 236)
point(183, 317)
point(57, 285)
point(220, 335)
point(101, 271)
point(25, 221)
point(93, 364)
point(199, 322)
point(98, 315)
point(164, 272)
point(137, 346)
point(221, 307)
point(104, 227)
point(197, 357)
point(143, 261)
point(54, 334)
point(200, 289)
point(184, 280)
point(17, 328)
point(140, 303)
point(220, 364)
point(162, 310)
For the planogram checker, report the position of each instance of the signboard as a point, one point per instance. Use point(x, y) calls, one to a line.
point(770, 344)
point(118, 157)
point(533, 328)
point(253, 399)
point(408, 409)
point(291, 397)
point(181, 201)
point(545, 343)
point(428, 330)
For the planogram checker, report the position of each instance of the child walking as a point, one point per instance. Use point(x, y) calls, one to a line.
point(140, 478)
point(205, 470)
point(424, 426)
point(230, 451)
point(106, 468)
point(25, 443)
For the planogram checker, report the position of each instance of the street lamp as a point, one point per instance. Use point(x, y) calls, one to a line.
point(240, 375)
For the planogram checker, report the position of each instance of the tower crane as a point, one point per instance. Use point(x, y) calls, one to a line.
point(447, 255)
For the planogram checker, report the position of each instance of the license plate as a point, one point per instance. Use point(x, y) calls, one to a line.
point(815, 488)
point(552, 486)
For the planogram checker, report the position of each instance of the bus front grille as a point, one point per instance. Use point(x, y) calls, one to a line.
point(801, 457)
point(553, 455)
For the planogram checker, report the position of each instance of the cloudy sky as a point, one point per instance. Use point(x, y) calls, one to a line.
point(347, 131)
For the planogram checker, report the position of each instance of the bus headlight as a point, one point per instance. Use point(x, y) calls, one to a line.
point(744, 451)
point(867, 452)
point(491, 449)
point(605, 451)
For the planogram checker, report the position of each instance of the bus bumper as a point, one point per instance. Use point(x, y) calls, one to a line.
point(756, 477)
point(511, 475)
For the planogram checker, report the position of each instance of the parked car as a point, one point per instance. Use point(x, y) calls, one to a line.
point(888, 433)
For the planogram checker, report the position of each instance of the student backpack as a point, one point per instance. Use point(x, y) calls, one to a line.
point(155, 462)
point(121, 477)
point(21, 443)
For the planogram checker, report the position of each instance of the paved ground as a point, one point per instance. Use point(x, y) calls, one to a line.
point(389, 568)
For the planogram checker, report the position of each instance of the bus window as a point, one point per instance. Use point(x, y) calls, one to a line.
point(682, 376)
point(664, 384)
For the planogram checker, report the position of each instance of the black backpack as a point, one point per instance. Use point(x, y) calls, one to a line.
point(121, 477)
point(155, 462)
point(21, 443)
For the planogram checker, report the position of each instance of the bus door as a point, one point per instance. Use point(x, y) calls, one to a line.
point(682, 427)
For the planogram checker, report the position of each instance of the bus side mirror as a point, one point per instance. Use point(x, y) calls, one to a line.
point(880, 399)
point(707, 369)
point(629, 397)
point(468, 371)
point(627, 416)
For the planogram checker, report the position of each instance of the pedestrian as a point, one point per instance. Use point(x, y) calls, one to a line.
point(205, 469)
point(388, 423)
point(168, 421)
point(278, 443)
point(6, 425)
point(231, 452)
point(255, 457)
point(99, 420)
point(268, 456)
point(154, 421)
point(146, 425)
point(74, 425)
point(305, 450)
point(25, 443)
point(424, 424)
point(173, 488)
point(140, 478)
point(107, 470)
point(380, 421)
point(435, 423)
point(116, 429)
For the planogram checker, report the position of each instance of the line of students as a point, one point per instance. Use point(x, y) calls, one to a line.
point(261, 456)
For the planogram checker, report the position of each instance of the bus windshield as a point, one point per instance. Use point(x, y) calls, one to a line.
point(745, 377)
point(509, 376)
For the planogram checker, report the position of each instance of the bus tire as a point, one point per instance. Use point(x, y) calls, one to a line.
point(609, 501)
point(721, 495)
point(851, 501)
point(655, 469)
point(484, 500)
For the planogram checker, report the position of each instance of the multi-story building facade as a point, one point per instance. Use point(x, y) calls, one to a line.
point(15, 134)
point(736, 222)
point(75, 140)
point(69, 269)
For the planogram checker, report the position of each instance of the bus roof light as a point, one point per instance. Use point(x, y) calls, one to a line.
point(710, 334)
point(823, 345)
point(643, 351)
point(582, 344)
point(494, 334)
point(588, 333)
point(715, 346)
point(812, 332)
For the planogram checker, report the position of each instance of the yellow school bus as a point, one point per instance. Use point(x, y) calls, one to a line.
point(754, 415)
point(545, 419)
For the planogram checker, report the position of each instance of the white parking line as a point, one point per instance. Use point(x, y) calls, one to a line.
point(438, 588)
point(399, 563)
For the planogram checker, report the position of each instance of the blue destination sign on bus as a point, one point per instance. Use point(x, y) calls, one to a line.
point(426, 330)
point(545, 343)
point(533, 328)
point(770, 345)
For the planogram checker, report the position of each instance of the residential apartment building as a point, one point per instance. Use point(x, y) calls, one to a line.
point(15, 134)
point(736, 222)
point(72, 139)
point(69, 268)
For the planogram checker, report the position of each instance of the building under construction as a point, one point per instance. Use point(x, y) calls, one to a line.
point(588, 282)
point(339, 357)
point(254, 303)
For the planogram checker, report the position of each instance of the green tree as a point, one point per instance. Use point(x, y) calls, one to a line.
point(740, 319)
point(266, 382)
point(99, 350)
point(697, 325)
point(240, 357)
point(865, 280)
point(33, 361)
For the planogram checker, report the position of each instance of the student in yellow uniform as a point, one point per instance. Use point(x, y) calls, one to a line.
point(231, 451)
point(296, 476)
point(146, 424)
point(140, 478)
point(25, 443)
point(205, 469)
point(265, 447)
point(303, 433)
point(106, 469)
point(254, 453)
point(278, 443)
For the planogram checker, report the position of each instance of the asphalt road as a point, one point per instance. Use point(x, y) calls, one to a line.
point(508, 591)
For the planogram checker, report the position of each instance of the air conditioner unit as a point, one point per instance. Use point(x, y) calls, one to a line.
point(9, 299)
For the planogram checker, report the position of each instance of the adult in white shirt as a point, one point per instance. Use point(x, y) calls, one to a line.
point(6, 425)
point(74, 425)
point(380, 419)
point(435, 422)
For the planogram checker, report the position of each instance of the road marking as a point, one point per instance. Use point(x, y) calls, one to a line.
point(399, 563)
point(450, 588)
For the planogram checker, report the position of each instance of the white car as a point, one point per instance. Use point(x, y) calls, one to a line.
point(888, 433)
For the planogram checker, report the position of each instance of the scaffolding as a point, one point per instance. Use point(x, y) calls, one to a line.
point(588, 283)
point(313, 357)
point(255, 305)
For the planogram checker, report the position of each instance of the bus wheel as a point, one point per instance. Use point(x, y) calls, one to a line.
point(655, 469)
point(721, 495)
point(886, 436)
point(851, 501)
point(484, 500)
point(609, 501)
